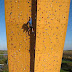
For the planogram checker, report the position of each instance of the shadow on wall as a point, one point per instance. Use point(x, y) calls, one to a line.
point(32, 37)
point(25, 27)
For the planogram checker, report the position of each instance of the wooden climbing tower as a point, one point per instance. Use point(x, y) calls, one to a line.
point(50, 25)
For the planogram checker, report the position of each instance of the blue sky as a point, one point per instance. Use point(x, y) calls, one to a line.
point(68, 41)
point(3, 43)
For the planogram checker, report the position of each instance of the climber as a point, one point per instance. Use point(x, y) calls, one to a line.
point(30, 24)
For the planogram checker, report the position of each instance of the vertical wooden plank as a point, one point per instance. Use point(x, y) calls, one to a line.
point(17, 14)
point(52, 20)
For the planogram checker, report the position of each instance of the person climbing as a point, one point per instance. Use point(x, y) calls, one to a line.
point(30, 24)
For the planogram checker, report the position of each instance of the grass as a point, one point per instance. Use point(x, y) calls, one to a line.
point(67, 54)
point(5, 71)
point(64, 61)
point(63, 71)
point(3, 51)
point(66, 66)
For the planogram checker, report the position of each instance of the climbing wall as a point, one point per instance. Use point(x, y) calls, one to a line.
point(17, 13)
point(52, 20)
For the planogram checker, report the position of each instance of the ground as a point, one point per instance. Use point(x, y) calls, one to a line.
point(67, 61)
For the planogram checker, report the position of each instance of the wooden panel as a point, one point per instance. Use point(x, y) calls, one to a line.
point(52, 20)
point(17, 13)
